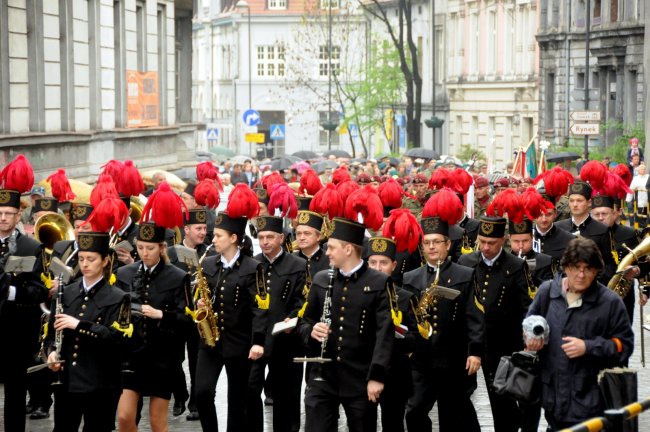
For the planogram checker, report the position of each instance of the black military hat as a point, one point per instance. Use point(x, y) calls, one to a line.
point(494, 227)
point(311, 219)
point(151, 233)
point(80, 211)
point(9, 198)
point(191, 186)
point(269, 223)
point(196, 216)
point(233, 225)
point(94, 242)
point(381, 246)
point(580, 188)
point(347, 230)
point(46, 204)
point(525, 227)
point(602, 201)
point(434, 225)
point(262, 195)
point(303, 202)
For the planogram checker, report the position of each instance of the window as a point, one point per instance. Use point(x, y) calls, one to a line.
point(277, 4)
point(613, 10)
point(323, 60)
point(549, 101)
point(270, 60)
point(325, 4)
point(596, 12)
point(595, 80)
point(141, 35)
point(580, 80)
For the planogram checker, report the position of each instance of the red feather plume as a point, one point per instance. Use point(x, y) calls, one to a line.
point(283, 198)
point(113, 168)
point(440, 179)
point(327, 201)
point(18, 175)
point(446, 205)
point(507, 203)
point(104, 189)
point(556, 181)
point(206, 170)
point(309, 182)
point(623, 172)
point(271, 179)
point(594, 172)
point(365, 201)
point(390, 193)
point(462, 180)
point(130, 183)
point(165, 208)
point(340, 175)
point(404, 228)
point(206, 194)
point(110, 213)
point(346, 188)
point(61, 189)
point(243, 202)
point(613, 186)
point(534, 203)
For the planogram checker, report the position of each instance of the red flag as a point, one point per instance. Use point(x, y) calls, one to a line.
point(519, 169)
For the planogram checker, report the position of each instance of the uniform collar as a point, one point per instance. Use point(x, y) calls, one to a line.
point(231, 263)
point(491, 262)
point(275, 258)
point(92, 289)
point(355, 272)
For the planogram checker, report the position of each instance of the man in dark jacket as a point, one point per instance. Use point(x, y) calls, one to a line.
point(549, 239)
point(589, 331)
point(521, 244)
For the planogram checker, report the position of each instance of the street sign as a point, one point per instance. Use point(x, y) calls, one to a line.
point(254, 137)
point(251, 117)
point(277, 131)
point(211, 132)
point(585, 129)
point(354, 130)
point(585, 115)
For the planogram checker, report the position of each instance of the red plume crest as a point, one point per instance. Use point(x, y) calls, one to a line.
point(104, 189)
point(556, 181)
point(340, 175)
point(327, 201)
point(367, 202)
point(206, 194)
point(404, 228)
point(61, 189)
point(165, 208)
point(129, 183)
point(446, 205)
point(390, 193)
point(534, 203)
point(110, 213)
point(507, 203)
point(243, 202)
point(309, 182)
point(594, 172)
point(113, 168)
point(283, 198)
point(18, 175)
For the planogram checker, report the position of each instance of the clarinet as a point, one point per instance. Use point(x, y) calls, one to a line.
point(58, 336)
point(326, 318)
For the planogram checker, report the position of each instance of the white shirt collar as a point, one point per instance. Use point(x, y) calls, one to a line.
point(151, 269)
point(88, 288)
point(229, 264)
point(272, 260)
point(353, 271)
point(491, 262)
point(128, 224)
point(543, 233)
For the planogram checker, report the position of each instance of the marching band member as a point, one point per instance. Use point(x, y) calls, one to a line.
point(162, 292)
point(237, 295)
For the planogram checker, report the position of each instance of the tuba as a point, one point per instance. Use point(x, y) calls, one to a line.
point(618, 283)
point(51, 228)
point(205, 317)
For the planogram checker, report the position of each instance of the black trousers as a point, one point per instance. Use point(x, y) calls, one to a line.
point(209, 365)
point(322, 411)
point(39, 385)
point(445, 386)
point(95, 408)
point(505, 411)
point(180, 391)
point(286, 394)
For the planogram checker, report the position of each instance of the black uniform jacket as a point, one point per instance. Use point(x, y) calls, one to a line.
point(456, 234)
point(406, 262)
point(553, 243)
point(458, 326)
point(200, 250)
point(505, 292)
point(362, 332)
point(399, 375)
point(315, 263)
point(471, 227)
point(91, 363)
point(599, 233)
point(241, 322)
point(285, 281)
point(166, 289)
point(542, 270)
point(624, 235)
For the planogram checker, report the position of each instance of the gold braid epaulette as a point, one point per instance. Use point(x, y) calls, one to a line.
point(477, 302)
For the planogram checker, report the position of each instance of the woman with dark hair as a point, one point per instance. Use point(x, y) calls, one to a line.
point(90, 374)
point(240, 302)
point(589, 331)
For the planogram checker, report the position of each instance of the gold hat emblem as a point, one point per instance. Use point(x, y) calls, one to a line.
point(520, 228)
point(201, 216)
point(79, 211)
point(85, 241)
point(147, 232)
point(431, 224)
point(379, 245)
point(599, 201)
point(260, 223)
point(218, 220)
point(303, 218)
point(487, 228)
point(46, 204)
point(4, 197)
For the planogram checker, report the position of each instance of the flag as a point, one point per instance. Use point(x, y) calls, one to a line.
point(519, 169)
point(542, 162)
point(531, 161)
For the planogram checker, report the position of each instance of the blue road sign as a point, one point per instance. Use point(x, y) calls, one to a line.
point(251, 117)
point(354, 130)
point(212, 133)
point(277, 131)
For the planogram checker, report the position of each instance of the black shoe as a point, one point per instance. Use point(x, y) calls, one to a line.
point(179, 408)
point(268, 401)
point(39, 414)
point(29, 408)
point(193, 416)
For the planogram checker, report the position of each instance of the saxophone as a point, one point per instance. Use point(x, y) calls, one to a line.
point(205, 317)
point(422, 310)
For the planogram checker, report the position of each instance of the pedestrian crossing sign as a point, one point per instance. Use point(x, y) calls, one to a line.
point(277, 131)
point(212, 134)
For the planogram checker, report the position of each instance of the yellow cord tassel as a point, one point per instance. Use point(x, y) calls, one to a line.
point(615, 256)
point(532, 293)
point(301, 312)
point(466, 250)
point(479, 305)
point(397, 317)
point(112, 279)
point(127, 332)
point(263, 303)
point(45, 327)
point(190, 313)
point(424, 330)
point(47, 280)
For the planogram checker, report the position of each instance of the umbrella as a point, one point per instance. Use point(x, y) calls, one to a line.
point(174, 181)
point(337, 153)
point(222, 151)
point(301, 166)
point(305, 154)
point(423, 153)
point(393, 161)
point(321, 166)
point(240, 159)
point(562, 157)
point(283, 163)
point(359, 160)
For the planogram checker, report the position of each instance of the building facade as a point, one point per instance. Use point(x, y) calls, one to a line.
point(614, 83)
point(79, 78)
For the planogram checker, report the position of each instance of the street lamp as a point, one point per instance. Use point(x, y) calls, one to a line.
point(240, 5)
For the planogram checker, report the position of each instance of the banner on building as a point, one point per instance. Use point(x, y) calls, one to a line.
point(141, 99)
